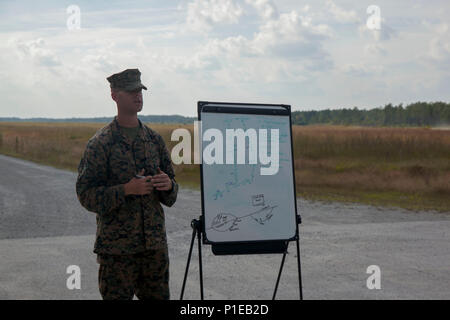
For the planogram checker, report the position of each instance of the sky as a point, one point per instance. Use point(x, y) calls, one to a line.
point(55, 56)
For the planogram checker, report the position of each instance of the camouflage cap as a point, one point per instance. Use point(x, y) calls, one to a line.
point(128, 80)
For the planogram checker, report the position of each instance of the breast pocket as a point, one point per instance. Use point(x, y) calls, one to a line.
point(121, 166)
point(152, 158)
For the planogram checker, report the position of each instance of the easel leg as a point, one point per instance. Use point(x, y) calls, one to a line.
point(299, 272)
point(279, 276)
point(299, 269)
point(200, 264)
point(194, 231)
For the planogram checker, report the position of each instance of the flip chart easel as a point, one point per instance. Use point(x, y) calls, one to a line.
point(245, 211)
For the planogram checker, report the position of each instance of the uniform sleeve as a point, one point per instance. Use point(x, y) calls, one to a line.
point(92, 190)
point(167, 198)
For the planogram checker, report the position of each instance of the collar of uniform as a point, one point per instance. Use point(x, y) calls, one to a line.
point(119, 135)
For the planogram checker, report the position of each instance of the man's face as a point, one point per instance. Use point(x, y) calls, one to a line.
point(128, 101)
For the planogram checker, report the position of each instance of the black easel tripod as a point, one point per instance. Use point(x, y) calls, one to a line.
point(197, 230)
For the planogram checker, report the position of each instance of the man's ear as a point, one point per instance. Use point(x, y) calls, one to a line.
point(114, 95)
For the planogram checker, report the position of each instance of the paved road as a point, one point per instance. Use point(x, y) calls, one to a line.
point(43, 230)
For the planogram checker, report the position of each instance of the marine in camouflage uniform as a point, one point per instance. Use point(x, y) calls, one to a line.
point(131, 243)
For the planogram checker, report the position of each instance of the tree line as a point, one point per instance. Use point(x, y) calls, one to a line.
point(143, 118)
point(416, 114)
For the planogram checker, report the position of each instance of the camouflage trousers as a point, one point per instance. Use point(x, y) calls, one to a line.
point(144, 274)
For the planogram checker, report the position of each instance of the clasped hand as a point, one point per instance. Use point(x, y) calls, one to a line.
point(145, 185)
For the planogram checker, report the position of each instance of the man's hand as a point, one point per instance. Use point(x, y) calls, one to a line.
point(139, 186)
point(161, 181)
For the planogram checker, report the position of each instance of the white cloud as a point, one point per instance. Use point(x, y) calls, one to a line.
point(289, 47)
point(341, 15)
point(439, 45)
point(385, 32)
point(203, 14)
point(375, 49)
point(362, 70)
point(99, 61)
point(265, 8)
point(292, 36)
point(35, 50)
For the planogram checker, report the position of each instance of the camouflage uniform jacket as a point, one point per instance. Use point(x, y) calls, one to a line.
point(125, 224)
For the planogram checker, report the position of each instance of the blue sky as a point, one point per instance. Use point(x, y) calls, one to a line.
point(312, 55)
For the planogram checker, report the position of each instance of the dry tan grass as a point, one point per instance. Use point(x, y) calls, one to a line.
point(376, 165)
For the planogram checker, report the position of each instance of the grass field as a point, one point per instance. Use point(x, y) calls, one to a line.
point(405, 167)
